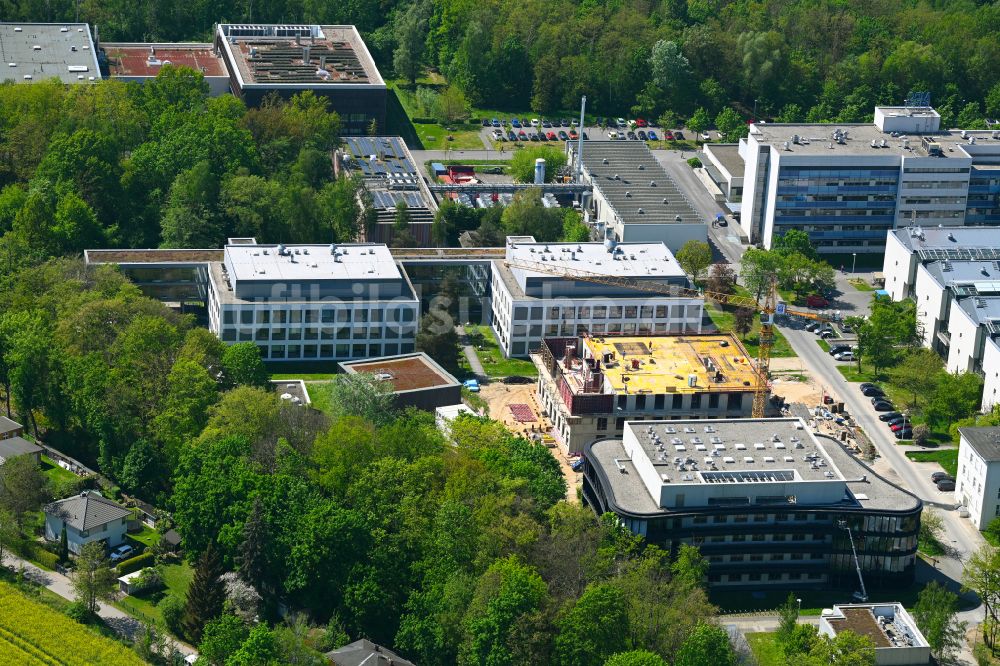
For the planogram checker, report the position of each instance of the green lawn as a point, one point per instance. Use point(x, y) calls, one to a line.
point(57, 475)
point(765, 649)
point(435, 137)
point(320, 398)
point(947, 458)
point(176, 577)
point(724, 320)
point(861, 285)
point(302, 369)
point(823, 344)
point(148, 537)
point(481, 337)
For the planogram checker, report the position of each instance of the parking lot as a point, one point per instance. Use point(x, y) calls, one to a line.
point(539, 134)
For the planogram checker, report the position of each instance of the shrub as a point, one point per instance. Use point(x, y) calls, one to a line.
point(135, 563)
point(921, 433)
point(694, 162)
point(149, 579)
point(172, 610)
point(45, 558)
point(78, 611)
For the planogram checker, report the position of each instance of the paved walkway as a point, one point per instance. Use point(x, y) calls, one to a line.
point(122, 623)
point(470, 354)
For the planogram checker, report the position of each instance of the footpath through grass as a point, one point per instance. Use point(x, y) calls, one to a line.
point(496, 365)
point(31, 633)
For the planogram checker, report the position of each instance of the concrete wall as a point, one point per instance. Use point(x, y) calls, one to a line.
point(991, 374)
point(965, 352)
point(977, 485)
point(933, 302)
point(899, 268)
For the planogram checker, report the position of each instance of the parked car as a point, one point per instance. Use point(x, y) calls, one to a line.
point(551, 136)
point(515, 123)
point(812, 326)
point(122, 552)
point(494, 170)
point(546, 123)
point(522, 136)
point(496, 122)
point(844, 356)
point(945, 484)
point(897, 420)
point(534, 122)
point(816, 301)
point(613, 135)
point(883, 405)
point(573, 135)
point(905, 433)
point(827, 334)
point(668, 135)
point(888, 416)
point(872, 391)
point(534, 136)
point(652, 135)
point(585, 137)
point(498, 135)
point(902, 425)
point(517, 379)
point(564, 122)
point(631, 135)
point(541, 136)
point(574, 122)
point(639, 122)
point(846, 328)
point(937, 476)
point(836, 349)
point(678, 136)
point(641, 134)
point(620, 122)
point(511, 136)
point(563, 136)
point(472, 385)
point(577, 465)
point(486, 122)
point(705, 136)
point(865, 385)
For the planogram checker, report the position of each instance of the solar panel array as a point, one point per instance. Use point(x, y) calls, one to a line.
point(284, 62)
point(960, 254)
point(636, 185)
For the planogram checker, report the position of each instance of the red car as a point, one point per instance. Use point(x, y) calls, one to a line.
point(573, 135)
point(551, 136)
point(815, 301)
point(900, 426)
point(668, 135)
point(639, 122)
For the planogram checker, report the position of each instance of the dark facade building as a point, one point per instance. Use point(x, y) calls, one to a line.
point(766, 501)
point(330, 60)
point(417, 379)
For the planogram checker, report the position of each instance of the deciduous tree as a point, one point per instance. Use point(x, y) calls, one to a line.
point(694, 257)
point(936, 613)
point(93, 578)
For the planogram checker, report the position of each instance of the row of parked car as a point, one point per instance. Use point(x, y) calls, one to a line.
point(643, 135)
point(897, 422)
point(561, 135)
point(518, 123)
point(943, 481)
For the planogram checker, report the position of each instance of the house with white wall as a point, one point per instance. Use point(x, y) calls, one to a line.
point(977, 484)
point(87, 517)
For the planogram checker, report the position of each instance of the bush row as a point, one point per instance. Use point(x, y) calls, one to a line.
point(135, 563)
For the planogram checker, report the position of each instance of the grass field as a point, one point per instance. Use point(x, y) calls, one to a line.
point(148, 537)
point(481, 337)
point(176, 577)
point(823, 344)
point(947, 458)
point(31, 633)
point(724, 320)
point(765, 649)
point(861, 285)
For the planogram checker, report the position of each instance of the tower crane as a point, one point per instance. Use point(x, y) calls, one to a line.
point(767, 309)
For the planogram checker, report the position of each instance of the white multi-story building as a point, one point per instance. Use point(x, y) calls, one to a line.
point(529, 305)
point(897, 638)
point(847, 185)
point(953, 276)
point(977, 484)
point(313, 301)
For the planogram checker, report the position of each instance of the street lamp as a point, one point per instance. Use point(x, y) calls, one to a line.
point(755, 110)
point(799, 602)
point(861, 596)
point(854, 263)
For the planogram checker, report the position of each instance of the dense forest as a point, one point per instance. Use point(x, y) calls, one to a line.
point(124, 165)
point(810, 60)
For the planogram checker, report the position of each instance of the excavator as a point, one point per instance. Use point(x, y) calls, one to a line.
point(768, 309)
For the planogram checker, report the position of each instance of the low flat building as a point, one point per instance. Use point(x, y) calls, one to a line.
point(141, 62)
point(538, 293)
point(330, 60)
point(390, 176)
point(11, 447)
point(768, 502)
point(417, 380)
point(898, 641)
point(634, 199)
point(33, 52)
point(87, 517)
point(444, 416)
point(725, 167)
point(590, 386)
point(977, 483)
point(300, 302)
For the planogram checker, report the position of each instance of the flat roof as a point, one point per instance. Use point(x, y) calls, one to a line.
point(17, 446)
point(666, 363)
point(728, 451)
point(728, 155)
point(887, 624)
point(631, 178)
point(352, 261)
point(38, 51)
point(389, 173)
point(984, 440)
point(868, 490)
point(615, 259)
point(148, 59)
point(406, 372)
point(301, 55)
point(817, 139)
point(933, 242)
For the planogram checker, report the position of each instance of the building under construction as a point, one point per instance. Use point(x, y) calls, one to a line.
point(589, 387)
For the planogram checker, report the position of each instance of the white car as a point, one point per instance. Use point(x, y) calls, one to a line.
point(621, 123)
point(705, 136)
point(844, 356)
point(497, 135)
point(534, 122)
point(122, 553)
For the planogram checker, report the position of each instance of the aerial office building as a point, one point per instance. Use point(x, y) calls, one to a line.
point(32, 52)
point(765, 500)
point(390, 176)
point(848, 185)
point(313, 301)
point(634, 199)
point(977, 482)
point(897, 638)
point(330, 60)
point(538, 293)
point(590, 386)
point(953, 276)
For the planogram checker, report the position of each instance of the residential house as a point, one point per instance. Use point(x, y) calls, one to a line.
point(88, 517)
point(18, 446)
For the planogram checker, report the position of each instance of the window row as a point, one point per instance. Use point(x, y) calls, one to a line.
point(265, 333)
point(325, 316)
point(644, 328)
point(340, 351)
point(538, 313)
